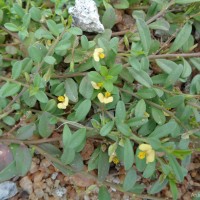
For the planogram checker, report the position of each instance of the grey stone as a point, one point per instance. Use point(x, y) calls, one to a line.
point(8, 189)
point(85, 16)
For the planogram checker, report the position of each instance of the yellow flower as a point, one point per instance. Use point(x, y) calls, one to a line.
point(98, 54)
point(115, 160)
point(64, 102)
point(146, 151)
point(96, 86)
point(107, 98)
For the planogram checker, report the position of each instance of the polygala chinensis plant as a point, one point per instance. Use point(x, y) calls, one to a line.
point(135, 92)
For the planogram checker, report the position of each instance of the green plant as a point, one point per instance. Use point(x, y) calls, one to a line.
point(124, 99)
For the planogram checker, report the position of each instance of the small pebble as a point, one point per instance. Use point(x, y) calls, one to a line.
point(54, 175)
point(26, 184)
point(60, 191)
point(38, 177)
point(8, 189)
point(34, 167)
point(39, 193)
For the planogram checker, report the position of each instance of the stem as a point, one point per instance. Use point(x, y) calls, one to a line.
point(5, 114)
point(41, 141)
point(13, 81)
point(156, 106)
point(51, 50)
point(159, 14)
point(178, 55)
point(70, 75)
point(14, 99)
point(194, 105)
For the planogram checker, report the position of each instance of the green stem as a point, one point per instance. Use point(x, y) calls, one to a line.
point(156, 106)
point(6, 114)
point(13, 81)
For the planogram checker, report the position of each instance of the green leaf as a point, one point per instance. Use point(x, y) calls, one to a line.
point(144, 33)
point(42, 33)
point(146, 93)
point(149, 170)
point(75, 31)
point(109, 18)
point(11, 27)
point(176, 168)
point(35, 14)
point(174, 76)
point(25, 132)
point(164, 130)
point(105, 130)
point(66, 137)
point(158, 115)
point(37, 52)
point(9, 89)
point(8, 172)
point(195, 85)
point(77, 164)
point(84, 42)
point(53, 27)
point(160, 24)
point(71, 89)
point(186, 1)
point(121, 4)
point(187, 70)
point(86, 88)
point(18, 10)
point(120, 112)
point(17, 69)
point(103, 193)
point(134, 62)
point(140, 108)
point(195, 62)
point(181, 38)
point(123, 128)
point(41, 97)
point(50, 60)
point(173, 189)
point(77, 138)
point(9, 120)
point(11, 50)
point(93, 162)
point(51, 149)
point(166, 65)
point(23, 160)
point(103, 166)
point(142, 77)
point(128, 154)
point(158, 185)
point(95, 76)
point(137, 121)
point(174, 101)
point(130, 180)
point(50, 105)
point(44, 127)
point(82, 110)
point(115, 70)
point(68, 155)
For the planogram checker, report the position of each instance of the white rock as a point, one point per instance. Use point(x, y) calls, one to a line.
point(8, 189)
point(85, 16)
